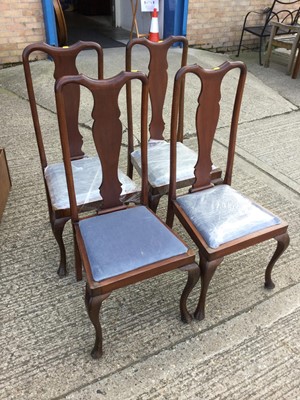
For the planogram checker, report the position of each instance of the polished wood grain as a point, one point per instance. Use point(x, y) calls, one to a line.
point(64, 61)
point(107, 135)
point(207, 115)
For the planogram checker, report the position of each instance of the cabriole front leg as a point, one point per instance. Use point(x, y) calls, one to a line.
point(58, 228)
point(207, 270)
point(93, 305)
point(193, 271)
point(283, 242)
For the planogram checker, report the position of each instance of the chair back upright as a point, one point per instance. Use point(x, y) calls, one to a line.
point(158, 82)
point(64, 60)
point(106, 131)
point(206, 120)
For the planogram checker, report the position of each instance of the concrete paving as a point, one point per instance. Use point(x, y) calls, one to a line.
point(248, 345)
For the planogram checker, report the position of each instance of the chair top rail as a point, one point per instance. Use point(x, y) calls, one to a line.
point(158, 76)
point(64, 60)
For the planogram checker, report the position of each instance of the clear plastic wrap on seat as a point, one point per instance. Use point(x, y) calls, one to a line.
point(221, 214)
point(87, 174)
point(159, 162)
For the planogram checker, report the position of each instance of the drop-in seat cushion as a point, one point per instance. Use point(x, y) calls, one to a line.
point(221, 214)
point(125, 240)
point(159, 162)
point(87, 175)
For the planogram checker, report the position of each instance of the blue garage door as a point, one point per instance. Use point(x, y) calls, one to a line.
point(175, 17)
point(50, 23)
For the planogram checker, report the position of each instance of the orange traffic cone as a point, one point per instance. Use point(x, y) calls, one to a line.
point(154, 32)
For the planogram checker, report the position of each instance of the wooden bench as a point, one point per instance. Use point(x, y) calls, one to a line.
point(279, 11)
point(290, 41)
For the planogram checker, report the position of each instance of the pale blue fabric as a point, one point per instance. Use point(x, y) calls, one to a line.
point(125, 240)
point(221, 214)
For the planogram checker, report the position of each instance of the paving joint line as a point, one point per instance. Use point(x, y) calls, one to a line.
point(178, 342)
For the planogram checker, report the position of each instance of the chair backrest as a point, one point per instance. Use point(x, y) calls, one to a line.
point(280, 12)
point(207, 116)
point(64, 60)
point(158, 78)
point(290, 41)
point(106, 131)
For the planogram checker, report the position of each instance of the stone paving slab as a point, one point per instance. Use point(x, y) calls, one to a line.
point(259, 100)
point(271, 144)
point(275, 76)
point(46, 335)
point(251, 356)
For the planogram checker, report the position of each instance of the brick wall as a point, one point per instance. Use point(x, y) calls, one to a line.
point(21, 23)
point(217, 24)
point(212, 24)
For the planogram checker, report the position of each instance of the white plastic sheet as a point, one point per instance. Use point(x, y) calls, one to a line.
point(87, 176)
point(159, 162)
point(221, 214)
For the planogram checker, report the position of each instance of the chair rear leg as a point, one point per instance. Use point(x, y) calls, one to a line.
point(154, 201)
point(295, 69)
point(268, 56)
point(240, 44)
point(260, 50)
point(78, 262)
point(193, 271)
point(58, 228)
point(129, 168)
point(282, 244)
point(170, 215)
point(207, 269)
point(93, 305)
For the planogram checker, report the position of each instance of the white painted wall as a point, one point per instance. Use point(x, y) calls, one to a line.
point(124, 16)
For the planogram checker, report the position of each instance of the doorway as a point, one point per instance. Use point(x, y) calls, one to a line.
point(94, 7)
point(93, 20)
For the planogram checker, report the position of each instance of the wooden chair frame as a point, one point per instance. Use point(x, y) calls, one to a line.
point(211, 258)
point(65, 64)
point(290, 41)
point(276, 12)
point(106, 114)
point(158, 82)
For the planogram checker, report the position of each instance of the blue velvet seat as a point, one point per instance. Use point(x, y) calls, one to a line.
point(125, 240)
